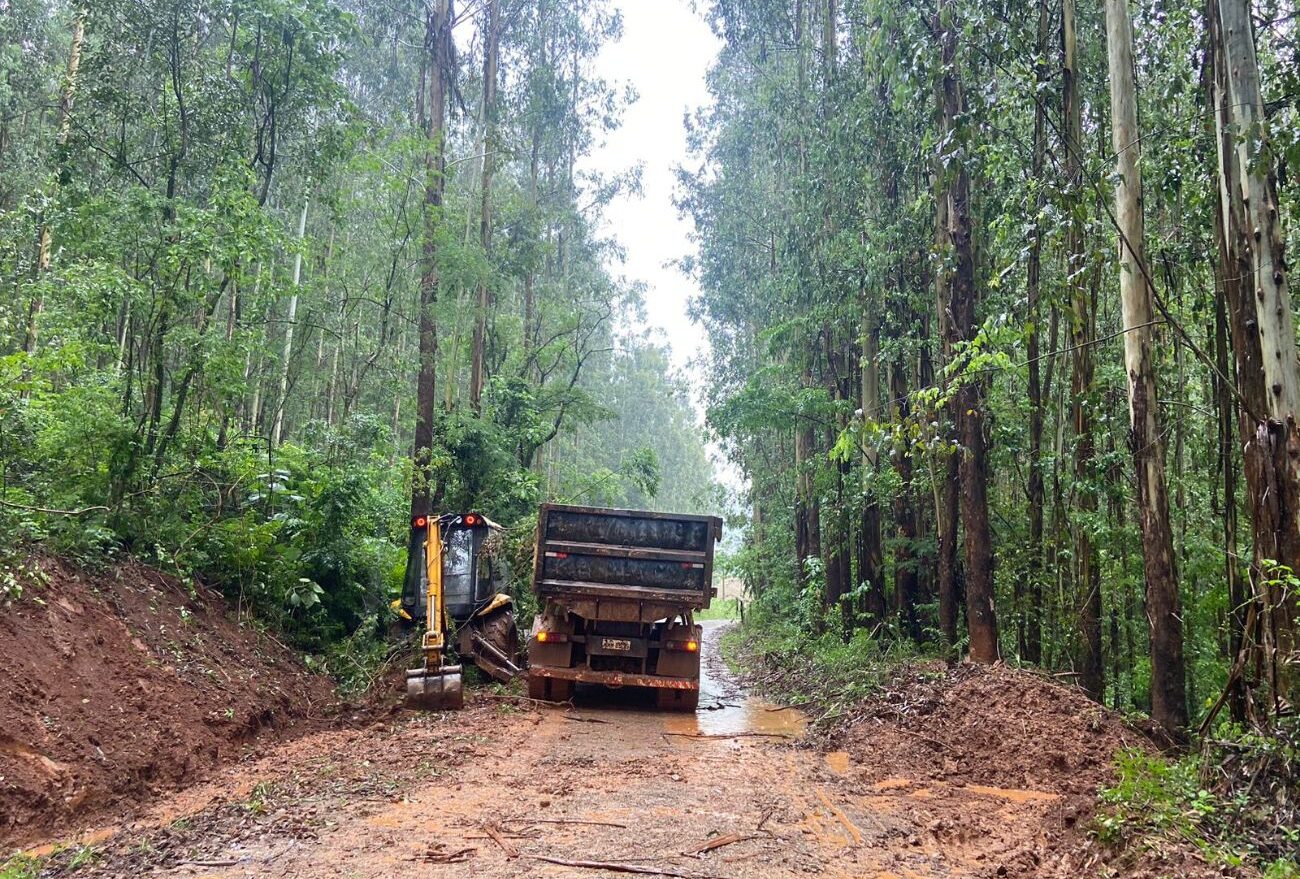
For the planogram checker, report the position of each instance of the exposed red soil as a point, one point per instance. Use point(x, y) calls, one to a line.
point(117, 685)
point(1042, 750)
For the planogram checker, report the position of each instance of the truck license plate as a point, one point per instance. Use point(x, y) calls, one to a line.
point(615, 644)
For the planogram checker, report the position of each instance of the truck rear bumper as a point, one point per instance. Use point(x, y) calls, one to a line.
point(613, 678)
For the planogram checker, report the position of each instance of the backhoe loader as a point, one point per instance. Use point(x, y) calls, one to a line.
point(455, 593)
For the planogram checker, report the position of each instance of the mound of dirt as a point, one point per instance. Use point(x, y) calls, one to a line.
point(117, 685)
point(993, 726)
point(1038, 749)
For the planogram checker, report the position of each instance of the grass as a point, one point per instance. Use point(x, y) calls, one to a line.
point(722, 609)
point(787, 663)
point(20, 867)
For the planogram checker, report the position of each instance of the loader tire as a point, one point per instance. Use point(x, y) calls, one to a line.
point(500, 631)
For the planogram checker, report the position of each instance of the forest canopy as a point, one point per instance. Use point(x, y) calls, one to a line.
point(236, 236)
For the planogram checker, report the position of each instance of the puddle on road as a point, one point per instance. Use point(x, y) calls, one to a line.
point(725, 709)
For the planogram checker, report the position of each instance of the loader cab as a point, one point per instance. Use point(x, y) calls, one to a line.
point(467, 580)
point(471, 574)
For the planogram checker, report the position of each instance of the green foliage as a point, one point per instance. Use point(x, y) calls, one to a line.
point(1237, 801)
point(191, 381)
point(20, 867)
point(800, 667)
point(358, 660)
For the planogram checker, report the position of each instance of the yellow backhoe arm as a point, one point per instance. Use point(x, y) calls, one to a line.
point(435, 624)
point(434, 686)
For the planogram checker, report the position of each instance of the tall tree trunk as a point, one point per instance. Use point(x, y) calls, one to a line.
point(277, 431)
point(431, 109)
point(870, 553)
point(1163, 608)
point(981, 613)
point(1029, 599)
point(62, 172)
point(906, 580)
point(1087, 571)
point(490, 41)
point(948, 496)
point(1251, 246)
point(807, 507)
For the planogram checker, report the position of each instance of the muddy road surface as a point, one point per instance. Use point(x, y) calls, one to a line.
point(503, 789)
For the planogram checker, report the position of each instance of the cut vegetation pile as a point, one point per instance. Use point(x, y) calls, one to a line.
point(121, 684)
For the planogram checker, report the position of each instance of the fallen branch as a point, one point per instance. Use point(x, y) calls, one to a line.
point(721, 841)
point(576, 719)
point(221, 863)
point(562, 821)
point(435, 855)
point(616, 867)
point(510, 850)
point(509, 697)
point(53, 512)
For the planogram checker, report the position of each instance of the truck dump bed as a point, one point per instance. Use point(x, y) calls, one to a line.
point(590, 552)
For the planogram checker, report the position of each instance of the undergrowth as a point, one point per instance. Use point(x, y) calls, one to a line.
point(20, 867)
point(1237, 802)
point(824, 673)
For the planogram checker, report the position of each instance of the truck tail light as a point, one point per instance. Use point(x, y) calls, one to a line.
point(691, 646)
point(545, 637)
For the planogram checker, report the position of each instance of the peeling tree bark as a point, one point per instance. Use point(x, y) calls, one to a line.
point(431, 109)
point(1263, 335)
point(1163, 608)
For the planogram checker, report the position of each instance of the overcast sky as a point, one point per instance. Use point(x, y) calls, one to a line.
point(664, 54)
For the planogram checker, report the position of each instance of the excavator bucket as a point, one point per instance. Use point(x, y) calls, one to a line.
point(435, 689)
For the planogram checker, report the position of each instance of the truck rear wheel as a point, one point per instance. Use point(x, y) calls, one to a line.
point(670, 699)
point(549, 689)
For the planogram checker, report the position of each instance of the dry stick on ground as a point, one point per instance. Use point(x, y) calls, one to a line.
point(510, 850)
point(561, 821)
point(222, 863)
point(616, 867)
point(435, 855)
point(855, 835)
point(721, 841)
point(575, 718)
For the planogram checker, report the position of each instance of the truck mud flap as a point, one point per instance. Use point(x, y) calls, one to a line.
point(614, 678)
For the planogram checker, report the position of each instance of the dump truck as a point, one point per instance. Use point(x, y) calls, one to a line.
point(617, 592)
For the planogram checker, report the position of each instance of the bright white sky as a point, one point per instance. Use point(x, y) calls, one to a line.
point(664, 54)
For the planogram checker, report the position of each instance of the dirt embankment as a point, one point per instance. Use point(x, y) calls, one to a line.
point(1040, 749)
point(117, 685)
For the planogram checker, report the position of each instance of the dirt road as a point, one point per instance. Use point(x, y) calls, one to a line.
point(497, 789)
